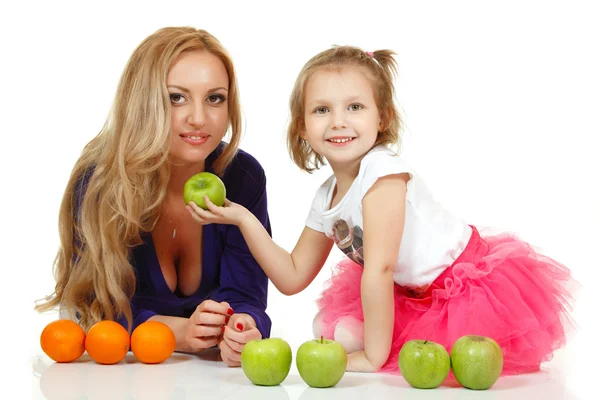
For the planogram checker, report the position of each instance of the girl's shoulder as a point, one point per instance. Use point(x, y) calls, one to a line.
point(322, 192)
point(379, 162)
point(381, 156)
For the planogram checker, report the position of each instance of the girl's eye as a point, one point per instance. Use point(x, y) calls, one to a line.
point(321, 110)
point(177, 98)
point(216, 99)
point(355, 107)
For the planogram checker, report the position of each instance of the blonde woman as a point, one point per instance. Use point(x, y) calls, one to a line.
point(129, 250)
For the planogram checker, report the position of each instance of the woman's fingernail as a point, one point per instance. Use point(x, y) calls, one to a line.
point(226, 320)
point(239, 326)
point(230, 311)
point(222, 328)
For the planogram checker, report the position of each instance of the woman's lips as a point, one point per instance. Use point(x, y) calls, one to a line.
point(195, 139)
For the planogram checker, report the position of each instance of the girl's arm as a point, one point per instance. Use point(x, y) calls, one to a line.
point(383, 221)
point(290, 273)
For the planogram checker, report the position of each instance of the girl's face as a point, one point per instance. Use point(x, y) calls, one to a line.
point(341, 116)
point(198, 87)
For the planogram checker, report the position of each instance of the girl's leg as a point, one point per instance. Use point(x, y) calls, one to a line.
point(318, 325)
point(349, 332)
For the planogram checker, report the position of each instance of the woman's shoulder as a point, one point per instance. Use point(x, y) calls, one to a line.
point(81, 183)
point(245, 163)
point(243, 167)
point(244, 178)
point(242, 163)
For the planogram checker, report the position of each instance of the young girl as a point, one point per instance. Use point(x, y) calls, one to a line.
point(414, 270)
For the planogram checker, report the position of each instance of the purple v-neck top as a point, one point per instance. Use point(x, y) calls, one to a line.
point(229, 271)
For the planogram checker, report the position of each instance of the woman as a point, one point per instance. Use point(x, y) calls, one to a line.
point(129, 250)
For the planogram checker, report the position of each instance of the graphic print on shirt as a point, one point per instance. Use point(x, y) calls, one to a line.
point(349, 240)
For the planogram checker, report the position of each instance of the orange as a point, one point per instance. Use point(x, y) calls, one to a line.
point(107, 342)
point(152, 342)
point(63, 340)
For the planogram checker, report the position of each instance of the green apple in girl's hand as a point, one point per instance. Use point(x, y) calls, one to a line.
point(476, 361)
point(204, 184)
point(321, 362)
point(424, 364)
point(266, 362)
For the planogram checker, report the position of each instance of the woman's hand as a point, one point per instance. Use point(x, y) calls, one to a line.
point(231, 213)
point(240, 330)
point(206, 324)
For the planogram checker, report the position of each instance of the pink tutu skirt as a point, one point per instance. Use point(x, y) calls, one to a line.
point(498, 287)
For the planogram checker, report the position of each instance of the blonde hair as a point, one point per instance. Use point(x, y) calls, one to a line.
point(130, 161)
point(381, 68)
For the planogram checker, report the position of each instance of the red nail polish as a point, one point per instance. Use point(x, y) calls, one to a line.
point(239, 326)
point(230, 311)
point(226, 320)
point(222, 328)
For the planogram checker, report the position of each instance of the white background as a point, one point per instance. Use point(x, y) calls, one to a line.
point(500, 103)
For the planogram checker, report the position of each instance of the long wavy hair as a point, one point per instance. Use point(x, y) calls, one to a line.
point(130, 162)
point(381, 68)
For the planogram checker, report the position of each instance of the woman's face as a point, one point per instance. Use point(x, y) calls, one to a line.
point(198, 88)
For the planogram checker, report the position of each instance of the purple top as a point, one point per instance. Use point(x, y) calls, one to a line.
point(229, 271)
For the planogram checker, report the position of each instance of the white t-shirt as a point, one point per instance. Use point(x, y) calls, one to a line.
point(433, 237)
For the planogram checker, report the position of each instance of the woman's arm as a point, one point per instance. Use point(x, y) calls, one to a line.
point(203, 329)
point(179, 326)
point(242, 283)
point(383, 221)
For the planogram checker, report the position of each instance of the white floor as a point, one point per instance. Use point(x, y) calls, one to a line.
point(570, 375)
point(190, 377)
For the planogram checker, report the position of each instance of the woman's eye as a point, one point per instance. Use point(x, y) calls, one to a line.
point(177, 98)
point(355, 107)
point(216, 99)
point(320, 110)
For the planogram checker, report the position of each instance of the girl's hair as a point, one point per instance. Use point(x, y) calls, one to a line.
point(130, 162)
point(380, 67)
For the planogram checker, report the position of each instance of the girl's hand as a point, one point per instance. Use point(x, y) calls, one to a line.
point(206, 324)
point(231, 213)
point(239, 331)
point(358, 362)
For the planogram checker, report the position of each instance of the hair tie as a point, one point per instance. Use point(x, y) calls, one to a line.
point(370, 53)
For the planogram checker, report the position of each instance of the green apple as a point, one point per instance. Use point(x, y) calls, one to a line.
point(321, 362)
point(204, 184)
point(266, 362)
point(424, 364)
point(476, 361)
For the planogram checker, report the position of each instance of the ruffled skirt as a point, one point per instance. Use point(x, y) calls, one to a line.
point(498, 287)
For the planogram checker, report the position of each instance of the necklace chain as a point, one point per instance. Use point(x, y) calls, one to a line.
point(178, 223)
